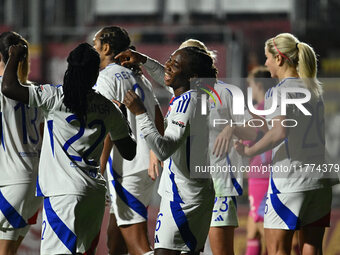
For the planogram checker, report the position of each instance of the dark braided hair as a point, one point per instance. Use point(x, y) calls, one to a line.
point(80, 76)
point(116, 37)
point(201, 64)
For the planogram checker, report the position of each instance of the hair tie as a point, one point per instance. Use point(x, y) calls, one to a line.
point(280, 53)
point(296, 46)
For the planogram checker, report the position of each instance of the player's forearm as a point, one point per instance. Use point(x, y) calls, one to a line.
point(11, 86)
point(159, 120)
point(270, 140)
point(162, 146)
point(108, 144)
point(245, 133)
point(156, 70)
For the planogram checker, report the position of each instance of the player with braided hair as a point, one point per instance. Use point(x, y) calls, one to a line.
point(20, 145)
point(185, 212)
point(227, 187)
point(69, 178)
point(129, 184)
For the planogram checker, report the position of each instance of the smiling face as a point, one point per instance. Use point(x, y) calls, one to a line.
point(271, 63)
point(177, 72)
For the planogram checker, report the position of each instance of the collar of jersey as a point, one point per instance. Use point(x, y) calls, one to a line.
point(285, 79)
point(175, 98)
point(112, 64)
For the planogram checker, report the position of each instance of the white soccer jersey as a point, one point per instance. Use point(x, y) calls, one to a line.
point(226, 183)
point(176, 183)
point(113, 83)
point(71, 150)
point(20, 141)
point(305, 145)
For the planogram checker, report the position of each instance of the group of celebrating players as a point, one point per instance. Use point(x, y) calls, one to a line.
point(57, 142)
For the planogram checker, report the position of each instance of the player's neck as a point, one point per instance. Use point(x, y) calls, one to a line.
point(179, 91)
point(105, 62)
point(287, 73)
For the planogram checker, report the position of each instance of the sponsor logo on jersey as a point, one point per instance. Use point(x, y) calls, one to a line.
point(178, 123)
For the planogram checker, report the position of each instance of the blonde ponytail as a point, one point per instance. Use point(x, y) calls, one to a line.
point(307, 68)
point(297, 55)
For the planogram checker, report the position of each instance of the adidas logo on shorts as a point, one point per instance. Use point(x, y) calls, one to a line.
point(219, 218)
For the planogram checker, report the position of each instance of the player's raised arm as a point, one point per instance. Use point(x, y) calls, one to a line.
point(11, 86)
point(131, 57)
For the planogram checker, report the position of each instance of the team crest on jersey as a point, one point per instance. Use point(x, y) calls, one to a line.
point(212, 104)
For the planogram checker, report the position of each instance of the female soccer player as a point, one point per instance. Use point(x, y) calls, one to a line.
point(129, 183)
point(78, 120)
point(298, 197)
point(227, 187)
point(20, 145)
point(185, 211)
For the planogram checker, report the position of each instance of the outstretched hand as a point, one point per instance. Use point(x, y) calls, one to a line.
point(134, 103)
point(130, 58)
point(241, 148)
point(18, 51)
point(154, 166)
point(222, 141)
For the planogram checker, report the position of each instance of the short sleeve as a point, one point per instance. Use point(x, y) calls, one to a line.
point(44, 96)
point(119, 127)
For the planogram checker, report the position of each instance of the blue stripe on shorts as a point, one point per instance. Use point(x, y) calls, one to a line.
point(126, 196)
point(68, 238)
point(13, 217)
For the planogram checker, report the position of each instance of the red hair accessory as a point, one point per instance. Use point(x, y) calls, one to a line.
point(280, 53)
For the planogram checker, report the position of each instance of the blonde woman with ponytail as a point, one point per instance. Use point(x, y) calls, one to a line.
point(299, 198)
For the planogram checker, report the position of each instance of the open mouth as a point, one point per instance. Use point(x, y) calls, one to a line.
point(167, 77)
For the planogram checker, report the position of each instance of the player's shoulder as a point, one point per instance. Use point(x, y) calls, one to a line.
point(116, 70)
point(101, 102)
point(185, 101)
point(223, 89)
point(48, 88)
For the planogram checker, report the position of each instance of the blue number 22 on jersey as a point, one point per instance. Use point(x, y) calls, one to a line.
point(80, 133)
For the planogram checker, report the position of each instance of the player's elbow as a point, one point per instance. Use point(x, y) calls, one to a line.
point(130, 153)
point(280, 135)
point(126, 147)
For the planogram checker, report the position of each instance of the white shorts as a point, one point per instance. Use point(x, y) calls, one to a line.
point(291, 211)
point(182, 227)
point(71, 223)
point(224, 212)
point(18, 209)
point(130, 197)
